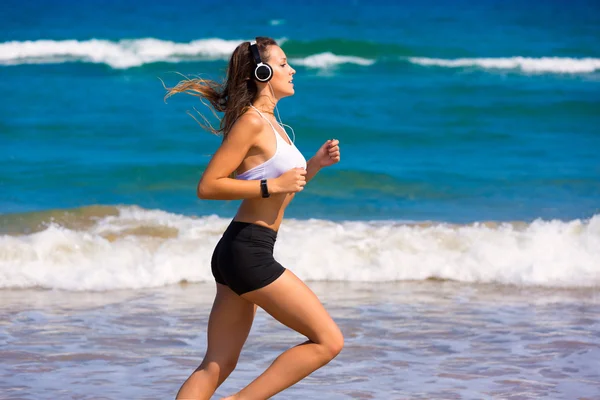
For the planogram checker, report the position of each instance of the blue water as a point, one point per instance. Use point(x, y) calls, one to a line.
point(446, 111)
point(455, 143)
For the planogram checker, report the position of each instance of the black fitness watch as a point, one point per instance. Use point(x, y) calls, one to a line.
point(264, 190)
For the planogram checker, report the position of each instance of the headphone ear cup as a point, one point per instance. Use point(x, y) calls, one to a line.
point(263, 72)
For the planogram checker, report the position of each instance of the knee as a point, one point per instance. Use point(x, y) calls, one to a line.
point(227, 366)
point(219, 367)
point(337, 344)
point(333, 345)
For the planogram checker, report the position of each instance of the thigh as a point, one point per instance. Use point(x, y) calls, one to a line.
point(229, 324)
point(292, 303)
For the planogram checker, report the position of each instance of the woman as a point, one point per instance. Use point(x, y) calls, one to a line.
point(269, 170)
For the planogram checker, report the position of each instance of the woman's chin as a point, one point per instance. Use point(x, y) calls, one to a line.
point(286, 94)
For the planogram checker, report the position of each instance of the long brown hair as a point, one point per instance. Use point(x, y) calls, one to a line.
point(235, 94)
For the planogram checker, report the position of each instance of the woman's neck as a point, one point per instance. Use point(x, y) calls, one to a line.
point(265, 106)
point(265, 101)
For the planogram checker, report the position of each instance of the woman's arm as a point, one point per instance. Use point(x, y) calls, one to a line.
point(215, 183)
point(312, 167)
point(327, 155)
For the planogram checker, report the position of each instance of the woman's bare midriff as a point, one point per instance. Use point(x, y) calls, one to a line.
point(266, 212)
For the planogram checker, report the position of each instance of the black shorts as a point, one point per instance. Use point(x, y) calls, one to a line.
point(243, 258)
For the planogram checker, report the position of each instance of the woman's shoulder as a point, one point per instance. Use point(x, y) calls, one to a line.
point(249, 120)
point(249, 124)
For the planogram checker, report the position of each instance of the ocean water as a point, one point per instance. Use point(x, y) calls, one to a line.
point(469, 134)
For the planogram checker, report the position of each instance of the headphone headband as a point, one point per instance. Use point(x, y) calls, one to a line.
point(255, 52)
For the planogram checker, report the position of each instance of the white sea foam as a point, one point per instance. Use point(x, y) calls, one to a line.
point(563, 65)
point(121, 54)
point(147, 248)
point(326, 60)
point(137, 52)
point(129, 53)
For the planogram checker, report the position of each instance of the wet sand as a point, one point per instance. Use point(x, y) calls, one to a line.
point(404, 340)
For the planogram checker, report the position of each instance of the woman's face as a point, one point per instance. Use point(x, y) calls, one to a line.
point(283, 73)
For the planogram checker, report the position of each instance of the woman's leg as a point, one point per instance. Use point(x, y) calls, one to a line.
point(292, 303)
point(228, 327)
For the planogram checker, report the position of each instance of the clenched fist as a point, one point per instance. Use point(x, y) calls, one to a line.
point(292, 181)
point(329, 153)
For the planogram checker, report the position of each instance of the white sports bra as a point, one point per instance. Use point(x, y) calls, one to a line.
point(286, 157)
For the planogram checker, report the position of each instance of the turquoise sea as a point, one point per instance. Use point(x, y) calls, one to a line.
point(470, 134)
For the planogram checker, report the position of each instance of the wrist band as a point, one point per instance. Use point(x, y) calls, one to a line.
point(264, 190)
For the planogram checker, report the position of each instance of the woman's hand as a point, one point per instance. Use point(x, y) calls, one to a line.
point(292, 181)
point(328, 154)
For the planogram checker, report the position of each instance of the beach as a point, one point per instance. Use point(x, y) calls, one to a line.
point(410, 340)
point(456, 243)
